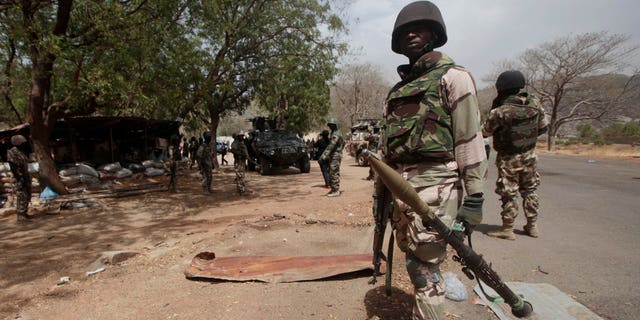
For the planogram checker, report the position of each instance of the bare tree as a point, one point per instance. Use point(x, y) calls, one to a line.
point(574, 77)
point(359, 93)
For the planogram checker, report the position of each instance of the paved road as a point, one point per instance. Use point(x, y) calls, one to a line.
point(589, 239)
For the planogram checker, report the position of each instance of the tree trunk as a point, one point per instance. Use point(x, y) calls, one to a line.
point(41, 127)
point(551, 139)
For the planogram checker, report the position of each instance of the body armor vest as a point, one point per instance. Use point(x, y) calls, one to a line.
point(417, 126)
point(519, 132)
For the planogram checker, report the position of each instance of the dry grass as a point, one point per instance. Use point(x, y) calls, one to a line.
point(614, 151)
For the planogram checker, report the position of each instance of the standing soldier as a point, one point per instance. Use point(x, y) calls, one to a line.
point(432, 138)
point(205, 161)
point(19, 164)
point(174, 157)
point(515, 122)
point(240, 156)
point(333, 155)
point(320, 146)
point(193, 149)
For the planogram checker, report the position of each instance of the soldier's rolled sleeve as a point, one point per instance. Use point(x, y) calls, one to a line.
point(469, 150)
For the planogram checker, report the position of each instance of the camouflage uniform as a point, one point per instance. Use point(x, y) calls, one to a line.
point(515, 126)
point(174, 157)
point(19, 168)
point(431, 136)
point(205, 162)
point(333, 154)
point(240, 156)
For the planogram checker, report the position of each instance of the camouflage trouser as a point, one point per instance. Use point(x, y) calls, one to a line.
point(173, 179)
point(518, 173)
point(240, 167)
point(22, 201)
point(334, 171)
point(425, 249)
point(206, 177)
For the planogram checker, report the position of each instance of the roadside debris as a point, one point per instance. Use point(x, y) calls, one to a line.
point(90, 273)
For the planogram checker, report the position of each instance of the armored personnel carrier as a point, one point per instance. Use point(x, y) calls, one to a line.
point(271, 149)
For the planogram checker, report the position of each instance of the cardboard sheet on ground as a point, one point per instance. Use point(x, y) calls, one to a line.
point(549, 303)
point(275, 268)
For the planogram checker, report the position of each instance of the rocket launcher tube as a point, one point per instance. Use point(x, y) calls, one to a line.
point(469, 258)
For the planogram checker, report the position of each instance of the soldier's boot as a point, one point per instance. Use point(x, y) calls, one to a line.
point(506, 232)
point(23, 217)
point(333, 193)
point(531, 229)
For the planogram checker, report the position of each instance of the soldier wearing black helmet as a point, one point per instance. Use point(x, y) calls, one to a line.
point(432, 137)
point(332, 156)
point(205, 161)
point(515, 122)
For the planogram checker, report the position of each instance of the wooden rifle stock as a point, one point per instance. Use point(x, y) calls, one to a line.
point(405, 192)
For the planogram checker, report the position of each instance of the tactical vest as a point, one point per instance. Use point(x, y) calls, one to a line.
point(520, 130)
point(417, 127)
point(340, 143)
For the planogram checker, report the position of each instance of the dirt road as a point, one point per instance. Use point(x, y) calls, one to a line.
point(168, 230)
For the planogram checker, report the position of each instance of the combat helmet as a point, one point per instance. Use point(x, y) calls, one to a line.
point(332, 121)
point(18, 139)
point(423, 11)
point(511, 79)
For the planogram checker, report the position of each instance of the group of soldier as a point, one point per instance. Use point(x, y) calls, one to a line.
point(199, 152)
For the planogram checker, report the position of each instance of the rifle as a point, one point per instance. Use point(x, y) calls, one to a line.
point(382, 213)
point(466, 256)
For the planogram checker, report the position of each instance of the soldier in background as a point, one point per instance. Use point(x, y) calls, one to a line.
point(432, 137)
point(205, 161)
point(332, 155)
point(240, 157)
point(320, 146)
point(515, 122)
point(193, 149)
point(174, 157)
point(18, 162)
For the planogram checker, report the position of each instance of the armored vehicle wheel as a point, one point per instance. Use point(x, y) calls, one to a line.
point(304, 165)
point(361, 160)
point(265, 166)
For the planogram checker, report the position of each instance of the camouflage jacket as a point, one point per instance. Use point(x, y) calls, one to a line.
point(336, 144)
point(204, 154)
point(432, 115)
point(516, 124)
point(239, 149)
point(19, 165)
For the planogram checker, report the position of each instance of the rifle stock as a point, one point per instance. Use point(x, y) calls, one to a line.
point(382, 212)
point(469, 258)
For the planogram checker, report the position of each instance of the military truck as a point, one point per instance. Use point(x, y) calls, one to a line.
point(359, 140)
point(271, 149)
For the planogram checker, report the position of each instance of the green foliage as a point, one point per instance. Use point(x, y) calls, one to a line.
point(585, 131)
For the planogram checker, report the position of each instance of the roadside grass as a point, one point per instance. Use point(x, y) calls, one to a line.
point(613, 151)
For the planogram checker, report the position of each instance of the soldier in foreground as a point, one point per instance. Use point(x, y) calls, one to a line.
point(333, 156)
point(205, 161)
point(240, 157)
point(432, 138)
point(18, 162)
point(515, 122)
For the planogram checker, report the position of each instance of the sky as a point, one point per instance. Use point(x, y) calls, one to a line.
point(482, 33)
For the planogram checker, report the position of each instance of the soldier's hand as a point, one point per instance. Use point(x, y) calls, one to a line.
point(471, 210)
